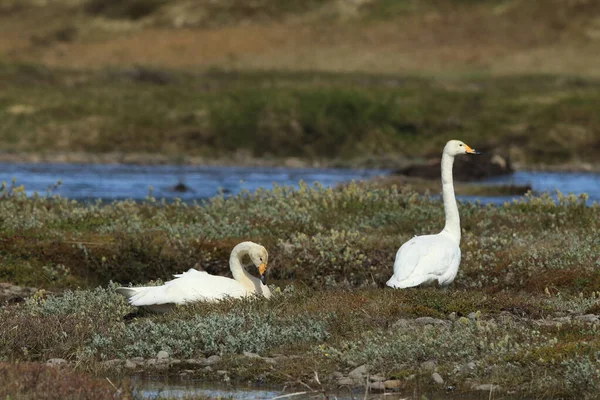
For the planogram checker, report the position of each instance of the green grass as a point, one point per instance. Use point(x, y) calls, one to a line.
point(331, 250)
point(348, 119)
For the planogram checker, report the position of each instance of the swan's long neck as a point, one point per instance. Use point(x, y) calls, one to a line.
point(450, 207)
point(235, 264)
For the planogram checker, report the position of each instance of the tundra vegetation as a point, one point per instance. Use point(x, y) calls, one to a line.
point(362, 83)
point(521, 313)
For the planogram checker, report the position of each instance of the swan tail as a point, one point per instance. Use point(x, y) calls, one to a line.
point(126, 292)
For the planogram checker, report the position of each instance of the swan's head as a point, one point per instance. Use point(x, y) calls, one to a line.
point(456, 147)
point(260, 257)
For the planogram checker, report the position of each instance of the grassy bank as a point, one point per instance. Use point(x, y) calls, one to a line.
point(515, 315)
point(270, 117)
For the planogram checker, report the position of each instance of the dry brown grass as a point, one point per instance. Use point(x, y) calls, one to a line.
point(30, 380)
point(505, 37)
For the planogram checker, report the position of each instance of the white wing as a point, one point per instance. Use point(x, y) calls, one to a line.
point(424, 259)
point(189, 286)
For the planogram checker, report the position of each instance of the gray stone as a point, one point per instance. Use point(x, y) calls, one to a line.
point(392, 384)
point(53, 362)
point(591, 318)
point(377, 386)
point(430, 321)
point(401, 323)
point(452, 316)
point(222, 372)
point(376, 378)
point(112, 363)
point(486, 387)
point(428, 365)
point(137, 360)
point(251, 355)
point(437, 378)
point(212, 360)
point(195, 361)
point(270, 360)
point(468, 368)
point(130, 364)
point(358, 373)
point(208, 368)
point(473, 315)
point(161, 355)
point(346, 382)
point(338, 375)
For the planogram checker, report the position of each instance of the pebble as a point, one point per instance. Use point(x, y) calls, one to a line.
point(130, 364)
point(377, 386)
point(112, 363)
point(346, 382)
point(437, 378)
point(392, 384)
point(587, 318)
point(161, 355)
point(56, 361)
point(212, 360)
point(138, 360)
point(468, 367)
point(487, 387)
point(376, 378)
point(195, 360)
point(428, 365)
point(430, 321)
point(251, 355)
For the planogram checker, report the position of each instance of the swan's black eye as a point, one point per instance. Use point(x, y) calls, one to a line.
point(261, 259)
point(460, 145)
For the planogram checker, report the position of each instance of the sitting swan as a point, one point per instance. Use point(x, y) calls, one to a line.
point(426, 259)
point(195, 285)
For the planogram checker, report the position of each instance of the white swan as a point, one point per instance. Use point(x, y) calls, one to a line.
point(430, 258)
point(195, 285)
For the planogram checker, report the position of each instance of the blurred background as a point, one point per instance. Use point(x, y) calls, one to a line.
point(124, 98)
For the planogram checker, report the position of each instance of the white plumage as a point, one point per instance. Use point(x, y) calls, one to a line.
point(427, 259)
point(194, 285)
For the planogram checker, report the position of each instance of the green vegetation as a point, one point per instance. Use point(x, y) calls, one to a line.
point(336, 119)
point(524, 265)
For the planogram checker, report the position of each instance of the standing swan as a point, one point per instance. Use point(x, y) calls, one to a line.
point(195, 285)
point(430, 258)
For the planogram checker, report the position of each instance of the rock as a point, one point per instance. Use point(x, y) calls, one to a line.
point(590, 318)
point(490, 163)
point(392, 384)
point(377, 386)
point(161, 355)
point(468, 368)
point(401, 323)
point(112, 363)
point(222, 372)
point(270, 360)
point(130, 364)
point(430, 321)
point(208, 368)
point(53, 362)
point(452, 316)
point(338, 375)
point(376, 378)
point(437, 378)
point(212, 360)
point(137, 360)
point(358, 373)
point(474, 315)
point(174, 361)
point(251, 355)
point(428, 365)
point(487, 387)
point(200, 361)
point(346, 382)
